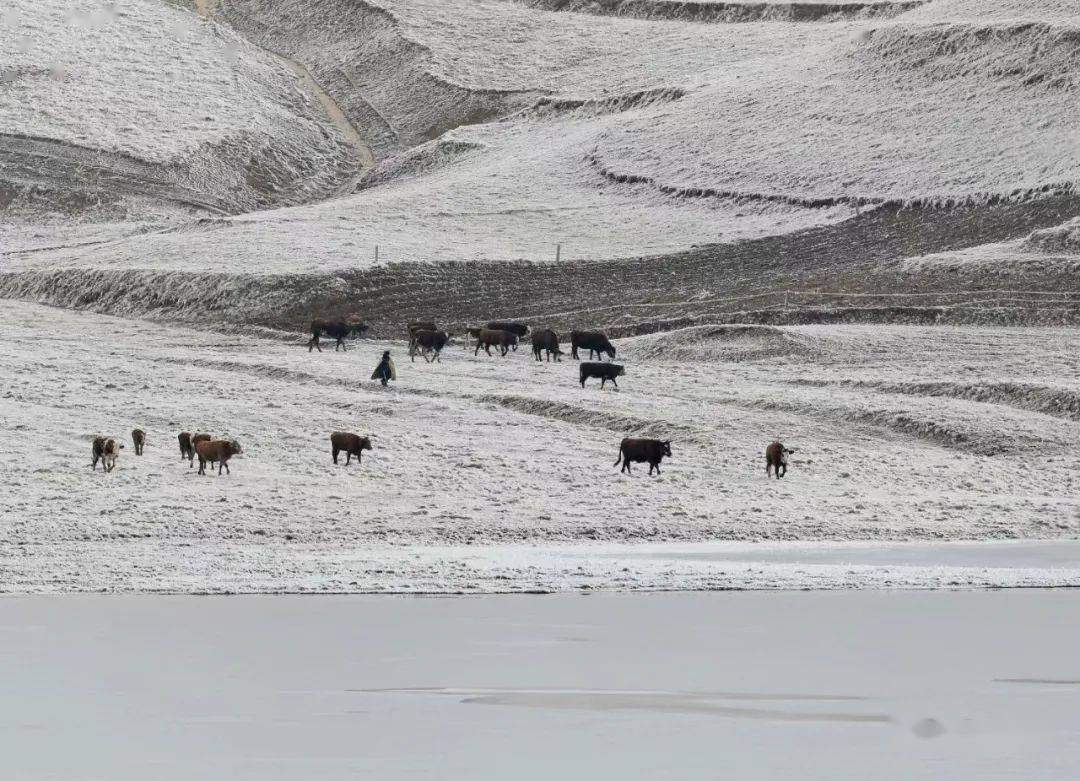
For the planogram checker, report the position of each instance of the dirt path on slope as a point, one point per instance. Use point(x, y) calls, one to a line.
point(208, 8)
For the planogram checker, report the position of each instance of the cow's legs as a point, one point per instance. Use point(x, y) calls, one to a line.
point(348, 457)
point(335, 452)
point(603, 380)
point(613, 382)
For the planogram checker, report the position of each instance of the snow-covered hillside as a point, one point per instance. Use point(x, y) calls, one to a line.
point(135, 114)
point(777, 145)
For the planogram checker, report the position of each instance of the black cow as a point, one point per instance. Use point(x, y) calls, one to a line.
point(548, 340)
point(488, 338)
point(428, 341)
point(593, 341)
point(506, 325)
point(642, 451)
point(605, 371)
point(335, 329)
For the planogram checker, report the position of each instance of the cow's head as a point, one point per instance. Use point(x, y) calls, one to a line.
point(621, 372)
point(234, 446)
point(611, 352)
point(667, 447)
point(784, 451)
point(365, 443)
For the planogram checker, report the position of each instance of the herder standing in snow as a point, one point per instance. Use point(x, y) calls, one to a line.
point(385, 371)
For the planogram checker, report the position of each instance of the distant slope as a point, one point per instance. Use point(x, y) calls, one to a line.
point(664, 158)
point(132, 110)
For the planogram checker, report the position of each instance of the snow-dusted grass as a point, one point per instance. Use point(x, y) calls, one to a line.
point(156, 99)
point(478, 451)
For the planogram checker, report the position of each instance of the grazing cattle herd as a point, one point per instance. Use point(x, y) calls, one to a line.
point(427, 339)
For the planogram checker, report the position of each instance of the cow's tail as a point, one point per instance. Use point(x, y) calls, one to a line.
point(620, 458)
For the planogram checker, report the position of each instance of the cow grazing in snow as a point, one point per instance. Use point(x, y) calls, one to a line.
point(106, 450)
point(426, 341)
point(548, 340)
point(216, 451)
point(349, 444)
point(593, 341)
point(651, 451)
point(488, 338)
point(776, 459)
point(138, 438)
point(605, 371)
point(336, 330)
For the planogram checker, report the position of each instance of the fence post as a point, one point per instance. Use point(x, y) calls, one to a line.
point(376, 253)
point(558, 252)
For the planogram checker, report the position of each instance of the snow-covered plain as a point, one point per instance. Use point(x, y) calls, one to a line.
point(487, 473)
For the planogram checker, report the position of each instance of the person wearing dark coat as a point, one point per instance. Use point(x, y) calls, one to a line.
point(385, 371)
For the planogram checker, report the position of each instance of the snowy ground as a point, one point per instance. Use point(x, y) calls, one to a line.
point(901, 433)
point(892, 686)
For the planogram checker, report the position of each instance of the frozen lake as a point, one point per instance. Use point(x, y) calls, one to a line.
point(751, 685)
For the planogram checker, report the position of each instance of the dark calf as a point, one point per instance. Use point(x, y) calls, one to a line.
point(350, 444)
point(776, 459)
point(187, 450)
point(641, 451)
point(605, 371)
point(106, 450)
point(138, 439)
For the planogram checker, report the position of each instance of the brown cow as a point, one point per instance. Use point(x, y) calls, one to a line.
point(138, 438)
point(776, 459)
point(106, 450)
point(350, 444)
point(216, 451)
point(504, 340)
point(642, 450)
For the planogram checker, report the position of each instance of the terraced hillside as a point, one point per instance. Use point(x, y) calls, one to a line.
point(665, 152)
